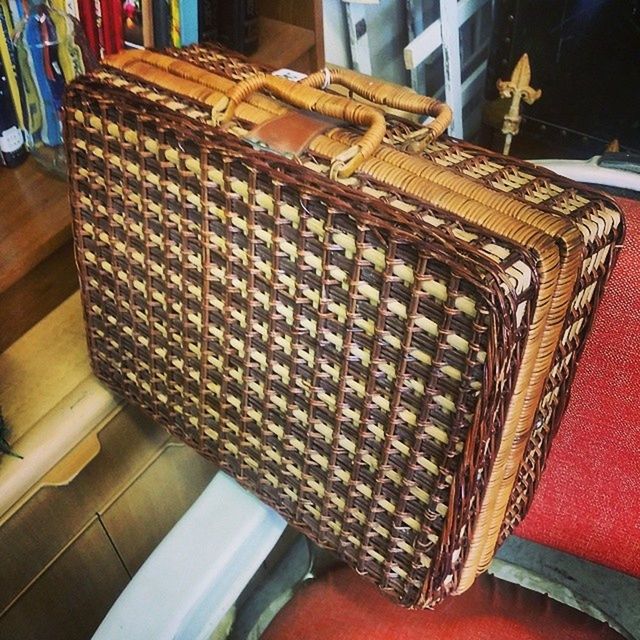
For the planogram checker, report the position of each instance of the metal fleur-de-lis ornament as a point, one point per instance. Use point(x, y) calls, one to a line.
point(613, 146)
point(517, 88)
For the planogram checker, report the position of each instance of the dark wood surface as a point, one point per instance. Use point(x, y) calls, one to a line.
point(38, 293)
point(34, 219)
point(34, 535)
point(299, 54)
point(142, 515)
point(73, 595)
point(37, 271)
point(304, 14)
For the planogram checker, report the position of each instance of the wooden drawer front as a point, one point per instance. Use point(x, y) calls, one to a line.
point(139, 519)
point(54, 515)
point(70, 599)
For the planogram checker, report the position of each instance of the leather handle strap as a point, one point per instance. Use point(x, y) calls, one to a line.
point(391, 95)
point(311, 99)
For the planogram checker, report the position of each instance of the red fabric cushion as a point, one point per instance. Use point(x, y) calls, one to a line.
point(588, 502)
point(343, 606)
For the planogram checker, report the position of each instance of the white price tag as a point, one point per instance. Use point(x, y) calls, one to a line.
point(289, 74)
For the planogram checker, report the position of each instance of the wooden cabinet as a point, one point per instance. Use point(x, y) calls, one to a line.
point(69, 550)
point(53, 516)
point(36, 256)
point(291, 34)
point(71, 597)
point(139, 518)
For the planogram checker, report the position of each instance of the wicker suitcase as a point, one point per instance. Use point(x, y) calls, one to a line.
point(593, 214)
point(356, 343)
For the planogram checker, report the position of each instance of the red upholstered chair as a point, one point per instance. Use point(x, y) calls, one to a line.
point(343, 606)
point(588, 505)
point(588, 502)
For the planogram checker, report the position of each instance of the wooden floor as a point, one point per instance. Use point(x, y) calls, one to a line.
point(36, 258)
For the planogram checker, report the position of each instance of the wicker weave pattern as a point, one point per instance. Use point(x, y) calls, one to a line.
point(600, 228)
point(556, 269)
point(595, 216)
point(222, 296)
point(599, 221)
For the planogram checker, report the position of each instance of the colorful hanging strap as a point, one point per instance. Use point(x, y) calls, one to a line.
point(9, 60)
point(89, 60)
point(55, 74)
point(30, 94)
point(50, 98)
point(69, 53)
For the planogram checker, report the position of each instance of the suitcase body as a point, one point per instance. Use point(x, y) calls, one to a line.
point(353, 341)
point(594, 216)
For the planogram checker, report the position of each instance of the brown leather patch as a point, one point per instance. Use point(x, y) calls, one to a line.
point(290, 133)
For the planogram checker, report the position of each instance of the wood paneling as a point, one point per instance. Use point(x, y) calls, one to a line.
point(38, 293)
point(40, 370)
point(301, 13)
point(298, 12)
point(72, 596)
point(139, 519)
point(298, 52)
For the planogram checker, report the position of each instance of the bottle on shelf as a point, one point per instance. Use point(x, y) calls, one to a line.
point(12, 148)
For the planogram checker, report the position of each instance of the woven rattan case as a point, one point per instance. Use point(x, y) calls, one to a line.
point(362, 344)
point(595, 216)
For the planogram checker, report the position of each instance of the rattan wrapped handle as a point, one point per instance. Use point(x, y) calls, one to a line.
point(389, 95)
point(326, 104)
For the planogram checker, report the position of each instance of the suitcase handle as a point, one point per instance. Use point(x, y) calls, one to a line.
point(391, 95)
point(327, 104)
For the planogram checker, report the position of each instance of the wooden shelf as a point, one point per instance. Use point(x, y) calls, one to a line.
point(36, 254)
point(34, 221)
point(306, 18)
point(284, 45)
